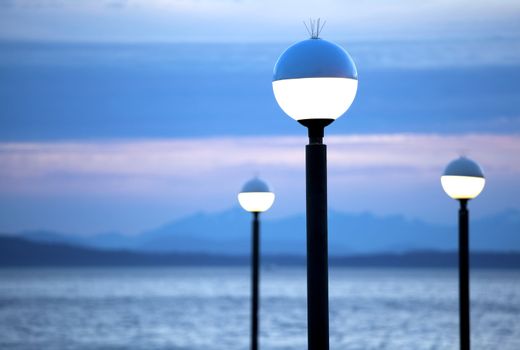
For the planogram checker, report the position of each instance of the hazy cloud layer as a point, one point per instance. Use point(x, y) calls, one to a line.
point(131, 185)
point(187, 20)
point(27, 166)
point(382, 173)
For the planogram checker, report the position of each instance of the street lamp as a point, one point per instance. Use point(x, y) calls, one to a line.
point(463, 180)
point(255, 197)
point(315, 82)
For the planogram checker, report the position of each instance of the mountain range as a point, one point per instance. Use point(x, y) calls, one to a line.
point(228, 233)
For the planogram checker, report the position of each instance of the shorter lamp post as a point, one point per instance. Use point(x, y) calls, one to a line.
point(255, 197)
point(463, 180)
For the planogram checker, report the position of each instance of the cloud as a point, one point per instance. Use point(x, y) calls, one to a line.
point(29, 166)
point(254, 20)
point(130, 185)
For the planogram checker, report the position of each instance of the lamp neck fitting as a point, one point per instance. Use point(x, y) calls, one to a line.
point(316, 129)
point(463, 203)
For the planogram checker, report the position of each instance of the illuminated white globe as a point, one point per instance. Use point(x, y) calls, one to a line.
point(256, 196)
point(315, 79)
point(463, 179)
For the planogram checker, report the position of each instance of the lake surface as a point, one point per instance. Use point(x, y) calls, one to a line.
point(208, 308)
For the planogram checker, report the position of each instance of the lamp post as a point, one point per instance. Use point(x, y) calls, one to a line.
point(315, 82)
point(255, 197)
point(463, 180)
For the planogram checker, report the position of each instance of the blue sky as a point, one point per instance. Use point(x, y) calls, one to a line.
point(122, 115)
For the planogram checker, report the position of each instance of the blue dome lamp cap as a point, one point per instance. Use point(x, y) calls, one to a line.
point(314, 58)
point(255, 185)
point(463, 166)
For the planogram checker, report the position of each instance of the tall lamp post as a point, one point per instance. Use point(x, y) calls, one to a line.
point(463, 180)
point(256, 198)
point(315, 82)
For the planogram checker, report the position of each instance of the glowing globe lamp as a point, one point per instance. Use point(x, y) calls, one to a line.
point(463, 179)
point(256, 196)
point(315, 79)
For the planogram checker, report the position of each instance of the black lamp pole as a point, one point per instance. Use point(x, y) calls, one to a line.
point(464, 313)
point(317, 246)
point(255, 259)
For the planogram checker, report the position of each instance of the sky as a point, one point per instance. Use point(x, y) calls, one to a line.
point(249, 20)
point(124, 115)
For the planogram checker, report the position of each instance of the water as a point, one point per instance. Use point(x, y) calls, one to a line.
point(208, 308)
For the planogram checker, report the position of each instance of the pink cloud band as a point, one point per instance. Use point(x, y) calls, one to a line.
point(148, 165)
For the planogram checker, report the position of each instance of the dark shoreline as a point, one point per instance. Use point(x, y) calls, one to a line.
point(17, 252)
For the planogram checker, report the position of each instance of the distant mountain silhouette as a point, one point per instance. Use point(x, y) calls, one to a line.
point(229, 232)
point(19, 252)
